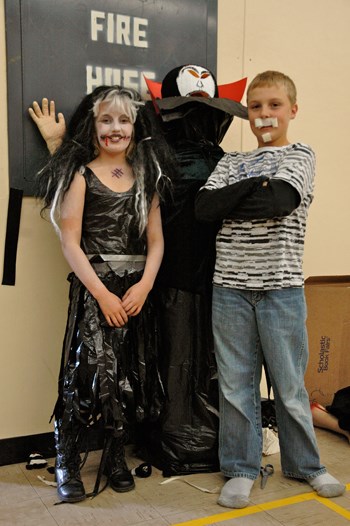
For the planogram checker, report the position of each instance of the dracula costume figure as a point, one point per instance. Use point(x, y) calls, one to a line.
point(195, 114)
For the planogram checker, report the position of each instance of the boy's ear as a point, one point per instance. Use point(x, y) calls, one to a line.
point(294, 110)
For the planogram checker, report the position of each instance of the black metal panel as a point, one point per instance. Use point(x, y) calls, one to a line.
point(63, 49)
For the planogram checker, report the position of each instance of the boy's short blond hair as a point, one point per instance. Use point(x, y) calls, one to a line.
point(271, 78)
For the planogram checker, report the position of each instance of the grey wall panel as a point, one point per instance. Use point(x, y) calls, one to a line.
point(63, 49)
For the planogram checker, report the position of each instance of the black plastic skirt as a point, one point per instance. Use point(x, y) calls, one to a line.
point(108, 374)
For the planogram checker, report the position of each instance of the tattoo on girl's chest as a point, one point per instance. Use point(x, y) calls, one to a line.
point(117, 172)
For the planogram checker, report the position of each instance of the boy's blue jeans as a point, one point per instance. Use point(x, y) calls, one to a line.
point(248, 325)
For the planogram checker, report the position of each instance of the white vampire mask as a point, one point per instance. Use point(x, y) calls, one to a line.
point(195, 81)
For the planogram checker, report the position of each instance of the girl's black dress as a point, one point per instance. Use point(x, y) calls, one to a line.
point(109, 375)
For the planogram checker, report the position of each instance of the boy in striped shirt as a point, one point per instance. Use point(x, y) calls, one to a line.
point(259, 311)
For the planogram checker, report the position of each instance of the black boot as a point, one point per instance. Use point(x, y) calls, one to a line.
point(67, 468)
point(119, 476)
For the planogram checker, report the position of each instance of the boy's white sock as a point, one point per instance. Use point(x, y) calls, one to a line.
point(327, 486)
point(235, 493)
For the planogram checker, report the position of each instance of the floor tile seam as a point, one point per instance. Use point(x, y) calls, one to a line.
point(57, 502)
point(43, 504)
point(26, 500)
point(48, 509)
point(340, 510)
point(258, 508)
point(148, 505)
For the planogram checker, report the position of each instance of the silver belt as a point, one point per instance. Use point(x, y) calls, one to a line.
point(119, 257)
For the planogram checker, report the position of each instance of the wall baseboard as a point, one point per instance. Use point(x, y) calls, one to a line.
point(18, 449)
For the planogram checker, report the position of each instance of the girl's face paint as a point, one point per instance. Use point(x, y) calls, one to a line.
point(114, 130)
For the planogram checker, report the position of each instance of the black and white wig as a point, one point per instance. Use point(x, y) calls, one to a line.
point(152, 160)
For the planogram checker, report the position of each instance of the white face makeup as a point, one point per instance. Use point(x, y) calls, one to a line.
point(113, 129)
point(195, 81)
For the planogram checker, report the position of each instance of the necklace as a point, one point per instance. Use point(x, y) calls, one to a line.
point(117, 172)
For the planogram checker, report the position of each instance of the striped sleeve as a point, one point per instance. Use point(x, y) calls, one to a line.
point(298, 168)
point(220, 176)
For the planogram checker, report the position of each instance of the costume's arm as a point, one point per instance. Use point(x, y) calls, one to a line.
point(215, 205)
point(252, 198)
point(272, 198)
point(71, 227)
point(52, 130)
point(135, 297)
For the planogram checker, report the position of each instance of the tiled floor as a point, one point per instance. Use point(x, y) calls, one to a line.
point(25, 500)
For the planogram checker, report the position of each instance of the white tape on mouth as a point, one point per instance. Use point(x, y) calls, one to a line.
point(271, 121)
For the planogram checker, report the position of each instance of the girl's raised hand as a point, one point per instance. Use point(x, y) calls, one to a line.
point(51, 129)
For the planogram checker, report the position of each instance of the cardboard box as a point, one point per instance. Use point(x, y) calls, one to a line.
point(328, 324)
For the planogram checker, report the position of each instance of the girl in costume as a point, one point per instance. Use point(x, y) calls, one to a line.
point(103, 186)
